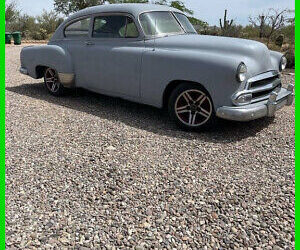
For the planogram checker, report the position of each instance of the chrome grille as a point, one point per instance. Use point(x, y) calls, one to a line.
point(263, 85)
point(263, 82)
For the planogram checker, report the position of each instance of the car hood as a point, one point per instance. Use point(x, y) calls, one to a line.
point(254, 54)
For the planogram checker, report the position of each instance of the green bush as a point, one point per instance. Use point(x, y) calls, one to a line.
point(290, 56)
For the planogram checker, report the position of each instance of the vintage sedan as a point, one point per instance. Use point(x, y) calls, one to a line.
point(151, 54)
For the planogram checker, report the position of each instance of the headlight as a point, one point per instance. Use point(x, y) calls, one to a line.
point(283, 63)
point(241, 74)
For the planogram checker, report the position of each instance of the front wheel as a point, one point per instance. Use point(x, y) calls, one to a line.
point(191, 107)
point(52, 83)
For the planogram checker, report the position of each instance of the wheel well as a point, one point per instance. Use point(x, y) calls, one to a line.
point(40, 70)
point(171, 86)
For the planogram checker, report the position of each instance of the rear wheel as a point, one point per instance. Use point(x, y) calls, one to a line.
point(191, 107)
point(52, 83)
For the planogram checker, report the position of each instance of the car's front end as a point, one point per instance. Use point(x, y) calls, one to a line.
point(260, 95)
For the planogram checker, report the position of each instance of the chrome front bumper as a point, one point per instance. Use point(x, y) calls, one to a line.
point(260, 109)
point(23, 71)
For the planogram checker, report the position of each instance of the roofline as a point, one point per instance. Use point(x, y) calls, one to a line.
point(132, 8)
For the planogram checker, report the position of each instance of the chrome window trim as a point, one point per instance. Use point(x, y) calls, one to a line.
point(139, 29)
point(173, 12)
point(74, 21)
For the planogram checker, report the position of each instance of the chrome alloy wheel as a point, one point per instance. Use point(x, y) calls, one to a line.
point(193, 107)
point(51, 80)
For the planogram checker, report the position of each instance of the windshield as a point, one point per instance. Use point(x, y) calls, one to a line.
point(160, 23)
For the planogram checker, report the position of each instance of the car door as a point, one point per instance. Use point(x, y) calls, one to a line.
point(76, 33)
point(114, 52)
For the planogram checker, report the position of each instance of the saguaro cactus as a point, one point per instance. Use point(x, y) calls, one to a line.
point(226, 23)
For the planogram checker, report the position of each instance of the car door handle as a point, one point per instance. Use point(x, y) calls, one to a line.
point(88, 43)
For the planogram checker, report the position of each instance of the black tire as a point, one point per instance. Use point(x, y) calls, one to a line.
point(52, 83)
point(191, 107)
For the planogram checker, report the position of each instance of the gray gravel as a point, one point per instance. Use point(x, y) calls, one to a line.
point(89, 171)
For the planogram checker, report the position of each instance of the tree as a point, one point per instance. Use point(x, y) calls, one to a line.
point(49, 21)
point(11, 11)
point(199, 25)
point(291, 20)
point(269, 23)
point(259, 22)
point(177, 5)
point(128, 1)
point(26, 24)
point(69, 6)
point(180, 6)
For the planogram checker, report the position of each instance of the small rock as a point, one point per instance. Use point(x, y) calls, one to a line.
point(234, 230)
point(111, 148)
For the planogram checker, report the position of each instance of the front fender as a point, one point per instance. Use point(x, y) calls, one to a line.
point(275, 59)
point(215, 72)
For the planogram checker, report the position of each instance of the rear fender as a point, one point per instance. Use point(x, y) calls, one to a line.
point(51, 56)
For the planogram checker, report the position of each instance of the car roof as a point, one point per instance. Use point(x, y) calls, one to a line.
point(131, 8)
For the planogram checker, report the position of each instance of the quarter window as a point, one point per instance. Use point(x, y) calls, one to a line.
point(78, 29)
point(114, 27)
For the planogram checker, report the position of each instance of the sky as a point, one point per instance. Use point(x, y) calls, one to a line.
point(206, 10)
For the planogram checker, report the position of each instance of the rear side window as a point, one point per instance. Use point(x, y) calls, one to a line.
point(114, 27)
point(78, 29)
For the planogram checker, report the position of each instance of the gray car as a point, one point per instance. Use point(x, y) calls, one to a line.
point(151, 54)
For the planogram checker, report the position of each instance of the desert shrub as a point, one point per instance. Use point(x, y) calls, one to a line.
point(250, 31)
point(234, 31)
point(211, 30)
point(40, 34)
point(273, 46)
point(279, 40)
point(290, 56)
point(289, 33)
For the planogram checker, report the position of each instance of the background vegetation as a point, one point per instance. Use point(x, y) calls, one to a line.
point(275, 28)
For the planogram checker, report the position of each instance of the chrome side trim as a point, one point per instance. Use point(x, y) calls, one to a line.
point(67, 79)
point(257, 110)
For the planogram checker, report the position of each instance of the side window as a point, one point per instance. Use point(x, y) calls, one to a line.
point(114, 27)
point(78, 29)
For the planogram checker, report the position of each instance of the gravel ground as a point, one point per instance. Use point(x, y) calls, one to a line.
point(89, 171)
